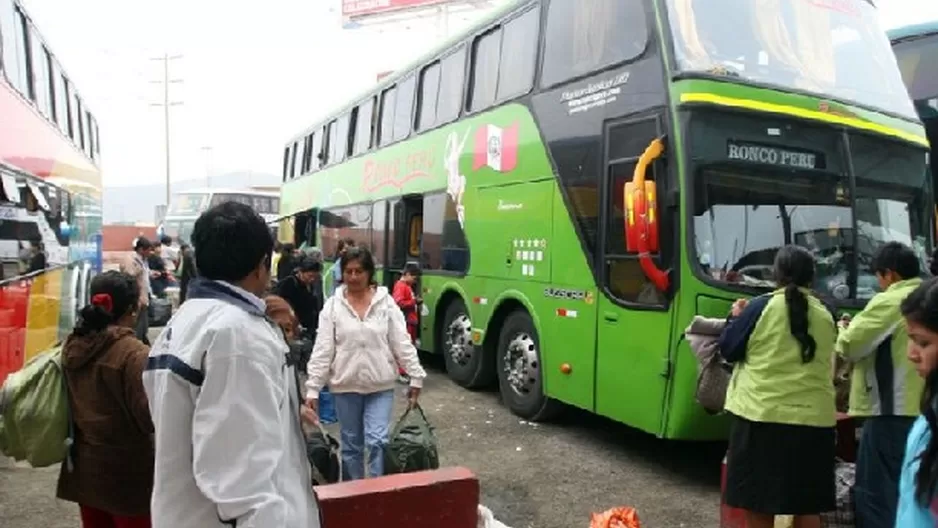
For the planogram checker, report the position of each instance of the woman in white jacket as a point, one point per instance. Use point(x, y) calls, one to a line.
point(362, 338)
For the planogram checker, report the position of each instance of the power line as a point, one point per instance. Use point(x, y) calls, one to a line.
point(166, 104)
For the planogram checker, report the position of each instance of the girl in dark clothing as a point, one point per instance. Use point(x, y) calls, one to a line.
point(112, 477)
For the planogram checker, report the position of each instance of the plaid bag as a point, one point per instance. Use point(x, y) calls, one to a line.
point(844, 516)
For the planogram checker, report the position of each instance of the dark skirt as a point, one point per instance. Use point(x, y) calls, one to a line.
point(780, 469)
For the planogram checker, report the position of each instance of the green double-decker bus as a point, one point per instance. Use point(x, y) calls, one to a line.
point(578, 179)
point(916, 49)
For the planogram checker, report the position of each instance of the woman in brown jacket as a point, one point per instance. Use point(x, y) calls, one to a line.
point(112, 478)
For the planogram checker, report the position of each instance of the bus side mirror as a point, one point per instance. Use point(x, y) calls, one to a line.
point(641, 218)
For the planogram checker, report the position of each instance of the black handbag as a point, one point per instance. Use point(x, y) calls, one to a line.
point(322, 449)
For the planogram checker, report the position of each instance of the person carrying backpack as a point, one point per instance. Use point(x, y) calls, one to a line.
point(112, 474)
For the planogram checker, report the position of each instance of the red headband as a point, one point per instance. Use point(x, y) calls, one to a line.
point(104, 300)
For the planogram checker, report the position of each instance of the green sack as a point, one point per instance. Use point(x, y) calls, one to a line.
point(34, 416)
point(412, 446)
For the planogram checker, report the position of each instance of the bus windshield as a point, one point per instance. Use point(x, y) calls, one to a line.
point(826, 47)
point(743, 215)
point(188, 204)
point(179, 229)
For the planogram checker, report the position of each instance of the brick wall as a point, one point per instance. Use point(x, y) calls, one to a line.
point(445, 498)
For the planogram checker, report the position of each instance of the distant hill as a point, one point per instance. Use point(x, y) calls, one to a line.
point(137, 203)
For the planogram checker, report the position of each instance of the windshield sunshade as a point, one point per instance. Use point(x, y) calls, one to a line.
point(833, 48)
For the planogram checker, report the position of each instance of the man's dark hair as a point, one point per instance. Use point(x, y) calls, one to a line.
point(310, 264)
point(412, 268)
point(230, 240)
point(142, 243)
point(897, 257)
point(166, 240)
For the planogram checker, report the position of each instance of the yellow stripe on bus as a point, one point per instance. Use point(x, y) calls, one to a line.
point(804, 113)
point(42, 316)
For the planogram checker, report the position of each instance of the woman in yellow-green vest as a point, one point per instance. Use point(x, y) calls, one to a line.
point(885, 389)
point(781, 399)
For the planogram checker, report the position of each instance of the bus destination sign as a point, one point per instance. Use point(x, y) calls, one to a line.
point(769, 155)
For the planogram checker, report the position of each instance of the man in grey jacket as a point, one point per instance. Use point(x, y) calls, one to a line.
point(225, 405)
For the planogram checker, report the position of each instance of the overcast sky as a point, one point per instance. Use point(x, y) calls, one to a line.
point(254, 73)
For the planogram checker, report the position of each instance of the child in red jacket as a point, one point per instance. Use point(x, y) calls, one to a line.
point(408, 302)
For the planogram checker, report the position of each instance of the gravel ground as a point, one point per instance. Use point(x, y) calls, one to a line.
point(532, 475)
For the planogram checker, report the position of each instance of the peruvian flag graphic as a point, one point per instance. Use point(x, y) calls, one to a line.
point(496, 147)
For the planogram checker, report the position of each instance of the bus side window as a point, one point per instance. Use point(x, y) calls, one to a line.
point(340, 139)
point(427, 96)
point(518, 55)
point(386, 119)
point(404, 108)
point(328, 144)
point(316, 153)
point(364, 127)
point(484, 73)
point(452, 79)
point(296, 146)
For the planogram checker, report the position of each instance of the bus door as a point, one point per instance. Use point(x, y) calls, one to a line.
point(407, 240)
point(633, 315)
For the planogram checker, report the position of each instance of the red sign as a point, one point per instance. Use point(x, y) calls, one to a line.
point(355, 8)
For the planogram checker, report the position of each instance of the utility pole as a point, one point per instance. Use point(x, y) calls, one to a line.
point(208, 166)
point(166, 104)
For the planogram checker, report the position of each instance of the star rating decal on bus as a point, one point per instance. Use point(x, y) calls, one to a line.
point(529, 251)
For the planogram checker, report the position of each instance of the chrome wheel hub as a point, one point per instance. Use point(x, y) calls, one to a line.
point(459, 340)
point(521, 365)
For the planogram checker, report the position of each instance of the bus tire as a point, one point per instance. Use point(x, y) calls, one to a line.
point(520, 374)
point(466, 363)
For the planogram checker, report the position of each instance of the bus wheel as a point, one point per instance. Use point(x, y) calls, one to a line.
point(465, 363)
point(520, 378)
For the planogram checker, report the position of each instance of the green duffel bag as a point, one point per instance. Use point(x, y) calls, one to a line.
point(412, 445)
point(35, 423)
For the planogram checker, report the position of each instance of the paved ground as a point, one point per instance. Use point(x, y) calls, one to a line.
point(533, 476)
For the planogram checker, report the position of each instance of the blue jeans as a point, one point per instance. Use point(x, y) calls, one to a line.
point(879, 463)
point(364, 421)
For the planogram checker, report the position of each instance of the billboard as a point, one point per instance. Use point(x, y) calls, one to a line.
point(361, 8)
